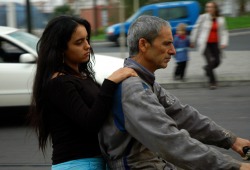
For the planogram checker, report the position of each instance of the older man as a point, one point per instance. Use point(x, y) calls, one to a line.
point(149, 128)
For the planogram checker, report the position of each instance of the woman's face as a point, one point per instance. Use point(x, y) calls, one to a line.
point(210, 8)
point(78, 50)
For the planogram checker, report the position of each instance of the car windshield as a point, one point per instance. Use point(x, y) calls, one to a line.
point(28, 39)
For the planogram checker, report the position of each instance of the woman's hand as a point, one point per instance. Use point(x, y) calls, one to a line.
point(121, 74)
point(192, 45)
point(223, 46)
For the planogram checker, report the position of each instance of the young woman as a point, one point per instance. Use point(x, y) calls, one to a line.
point(211, 36)
point(68, 105)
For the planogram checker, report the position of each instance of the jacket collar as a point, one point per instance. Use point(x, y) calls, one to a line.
point(143, 73)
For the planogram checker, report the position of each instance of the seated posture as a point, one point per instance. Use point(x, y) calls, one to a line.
point(149, 128)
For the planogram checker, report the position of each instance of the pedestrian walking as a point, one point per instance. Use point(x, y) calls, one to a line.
point(211, 36)
point(181, 44)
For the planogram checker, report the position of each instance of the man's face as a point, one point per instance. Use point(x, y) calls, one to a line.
point(158, 53)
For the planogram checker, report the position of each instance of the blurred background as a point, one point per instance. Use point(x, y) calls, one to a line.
point(33, 15)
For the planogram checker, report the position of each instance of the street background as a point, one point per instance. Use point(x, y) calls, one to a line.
point(233, 70)
point(229, 105)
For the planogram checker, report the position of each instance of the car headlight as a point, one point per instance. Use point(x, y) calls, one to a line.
point(110, 30)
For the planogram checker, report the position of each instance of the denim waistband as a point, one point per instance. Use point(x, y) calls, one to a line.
point(81, 164)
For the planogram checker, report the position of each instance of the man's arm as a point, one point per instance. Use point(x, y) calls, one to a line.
point(147, 121)
point(199, 126)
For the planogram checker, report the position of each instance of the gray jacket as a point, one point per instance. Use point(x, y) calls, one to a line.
point(151, 129)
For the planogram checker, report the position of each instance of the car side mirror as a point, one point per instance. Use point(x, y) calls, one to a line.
point(27, 58)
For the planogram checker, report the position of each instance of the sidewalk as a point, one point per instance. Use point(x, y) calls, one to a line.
point(233, 71)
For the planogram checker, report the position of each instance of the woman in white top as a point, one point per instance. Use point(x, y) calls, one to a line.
point(210, 35)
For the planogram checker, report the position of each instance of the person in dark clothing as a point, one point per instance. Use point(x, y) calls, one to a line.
point(68, 105)
point(181, 44)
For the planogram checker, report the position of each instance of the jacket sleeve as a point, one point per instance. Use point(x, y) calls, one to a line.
point(146, 120)
point(223, 32)
point(196, 29)
point(199, 126)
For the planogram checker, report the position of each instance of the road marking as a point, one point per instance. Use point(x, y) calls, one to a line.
point(239, 33)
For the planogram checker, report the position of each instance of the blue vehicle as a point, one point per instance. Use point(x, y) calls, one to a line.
point(174, 12)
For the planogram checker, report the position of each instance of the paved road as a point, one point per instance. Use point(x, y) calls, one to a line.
point(239, 40)
point(228, 106)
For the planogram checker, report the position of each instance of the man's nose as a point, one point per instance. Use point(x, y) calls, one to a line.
point(172, 51)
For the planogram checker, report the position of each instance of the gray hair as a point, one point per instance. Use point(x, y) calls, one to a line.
point(147, 27)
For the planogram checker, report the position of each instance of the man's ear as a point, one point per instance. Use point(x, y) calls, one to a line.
point(143, 44)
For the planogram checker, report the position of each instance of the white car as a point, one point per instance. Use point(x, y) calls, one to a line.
point(17, 66)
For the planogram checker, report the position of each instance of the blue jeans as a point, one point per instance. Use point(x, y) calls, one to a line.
point(81, 164)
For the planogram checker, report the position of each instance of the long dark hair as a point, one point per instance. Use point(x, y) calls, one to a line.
point(50, 49)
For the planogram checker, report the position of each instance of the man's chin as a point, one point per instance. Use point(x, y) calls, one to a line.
point(164, 66)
